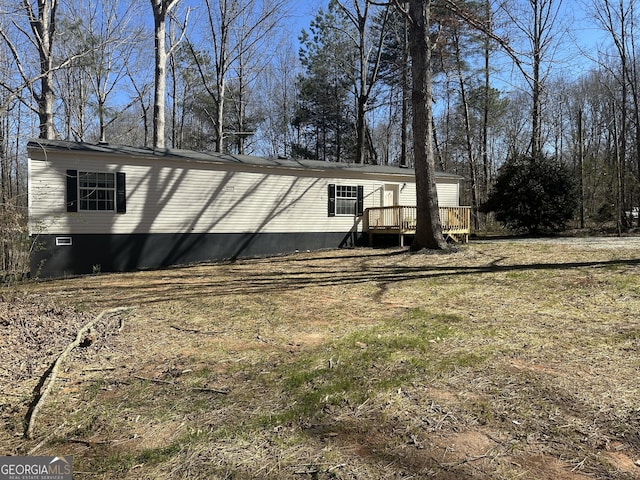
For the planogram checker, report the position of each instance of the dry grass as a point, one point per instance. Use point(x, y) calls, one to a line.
point(503, 360)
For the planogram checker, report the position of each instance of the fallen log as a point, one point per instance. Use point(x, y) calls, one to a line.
point(52, 371)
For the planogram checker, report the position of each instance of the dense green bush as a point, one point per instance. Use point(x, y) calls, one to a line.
point(533, 195)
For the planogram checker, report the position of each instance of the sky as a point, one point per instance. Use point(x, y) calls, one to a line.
point(577, 52)
point(302, 12)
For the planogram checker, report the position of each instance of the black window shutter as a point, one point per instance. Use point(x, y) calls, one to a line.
point(332, 200)
point(360, 204)
point(121, 193)
point(72, 190)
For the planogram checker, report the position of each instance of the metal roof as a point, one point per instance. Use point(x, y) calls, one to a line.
point(222, 158)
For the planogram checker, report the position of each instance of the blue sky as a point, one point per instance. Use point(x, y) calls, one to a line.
point(302, 12)
point(576, 53)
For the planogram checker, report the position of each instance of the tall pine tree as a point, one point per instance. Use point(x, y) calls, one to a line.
point(325, 114)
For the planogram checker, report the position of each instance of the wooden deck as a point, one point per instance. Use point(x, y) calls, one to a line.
point(401, 221)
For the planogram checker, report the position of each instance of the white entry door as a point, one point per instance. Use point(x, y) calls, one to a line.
point(390, 198)
point(391, 194)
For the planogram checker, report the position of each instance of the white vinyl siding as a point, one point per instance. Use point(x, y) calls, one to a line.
point(448, 193)
point(170, 196)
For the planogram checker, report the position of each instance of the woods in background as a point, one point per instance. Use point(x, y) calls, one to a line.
point(509, 78)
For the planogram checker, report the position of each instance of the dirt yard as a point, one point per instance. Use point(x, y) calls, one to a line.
point(505, 359)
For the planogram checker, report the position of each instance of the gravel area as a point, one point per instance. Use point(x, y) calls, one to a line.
point(598, 243)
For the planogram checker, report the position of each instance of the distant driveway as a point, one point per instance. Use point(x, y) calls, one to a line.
point(598, 243)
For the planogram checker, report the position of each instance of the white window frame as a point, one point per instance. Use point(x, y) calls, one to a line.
point(346, 195)
point(99, 188)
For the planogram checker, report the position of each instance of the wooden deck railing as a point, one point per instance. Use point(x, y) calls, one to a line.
point(401, 220)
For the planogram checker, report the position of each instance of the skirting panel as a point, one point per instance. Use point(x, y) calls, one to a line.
point(69, 254)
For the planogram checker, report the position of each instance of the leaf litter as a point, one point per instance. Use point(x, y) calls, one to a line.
point(505, 359)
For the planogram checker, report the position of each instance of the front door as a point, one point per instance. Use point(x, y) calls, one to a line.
point(390, 198)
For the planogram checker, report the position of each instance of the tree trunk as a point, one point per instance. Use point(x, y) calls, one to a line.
point(536, 132)
point(102, 109)
point(161, 9)
point(581, 168)
point(43, 24)
point(428, 228)
point(473, 171)
point(485, 113)
point(360, 129)
point(221, 89)
point(405, 96)
point(363, 95)
point(240, 108)
point(174, 101)
point(140, 94)
point(160, 76)
point(45, 108)
point(47, 20)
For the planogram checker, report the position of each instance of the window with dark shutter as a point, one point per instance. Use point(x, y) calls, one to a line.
point(121, 193)
point(72, 190)
point(96, 192)
point(346, 200)
point(332, 200)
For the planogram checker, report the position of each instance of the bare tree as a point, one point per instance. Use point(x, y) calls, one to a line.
point(368, 65)
point(456, 38)
point(142, 96)
point(488, 19)
point(538, 21)
point(249, 64)
point(278, 91)
point(40, 34)
point(42, 19)
point(74, 87)
point(105, 30)
point(114, 40)
point(232, 37)
point(161, 10)
point(617, 19)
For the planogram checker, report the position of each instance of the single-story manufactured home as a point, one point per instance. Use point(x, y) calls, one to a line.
point(102, 207)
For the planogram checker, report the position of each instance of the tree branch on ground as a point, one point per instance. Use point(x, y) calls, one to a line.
point(52, 373)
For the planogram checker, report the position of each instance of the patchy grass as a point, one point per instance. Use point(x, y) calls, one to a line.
point(502, 360)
